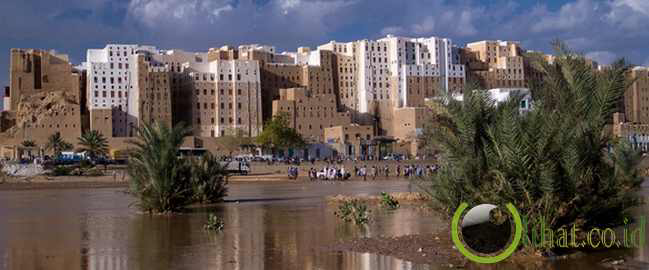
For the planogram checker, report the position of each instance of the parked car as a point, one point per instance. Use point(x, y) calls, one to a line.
point(236, 167)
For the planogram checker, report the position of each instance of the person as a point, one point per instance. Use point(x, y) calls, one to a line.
point(343, 174)
point(373, 172)
point(363, 172)
point(386, 170)
point(398, 170)
point(355, 171)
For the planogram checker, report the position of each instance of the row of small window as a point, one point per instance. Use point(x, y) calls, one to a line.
point(125, 52)
point(230, 120)
point(104, 105)
point(119, 65)
point(374, 96)
point(346, 84)
point(112, 80)
point(197, 77)
point(380, 85)
point(51, 126)
point(347, 70)
point(212, 92)
point(212, 105)
point(112, 94)
point(358, 136)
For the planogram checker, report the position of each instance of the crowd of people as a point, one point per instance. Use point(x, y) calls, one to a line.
point(333, 172)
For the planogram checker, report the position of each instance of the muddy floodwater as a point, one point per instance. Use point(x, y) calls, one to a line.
point(274, 225)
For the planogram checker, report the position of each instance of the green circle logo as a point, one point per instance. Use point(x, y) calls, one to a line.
point(486, 259)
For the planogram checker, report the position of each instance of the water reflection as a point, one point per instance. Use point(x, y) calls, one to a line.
point(96, 229)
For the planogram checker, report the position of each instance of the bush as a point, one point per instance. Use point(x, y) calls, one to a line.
point(353, 210)
point(61, 171)
point(214, 223)
point(556, 161)
point(162, 181)
point(388, 201)
point(208, 179)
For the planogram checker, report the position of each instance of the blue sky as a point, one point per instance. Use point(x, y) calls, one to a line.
point(602, 29)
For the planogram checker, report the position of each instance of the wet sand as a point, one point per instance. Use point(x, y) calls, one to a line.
point(260, 172)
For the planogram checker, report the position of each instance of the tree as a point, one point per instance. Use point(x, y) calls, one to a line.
point(161, 180)
point(552, 162)
point(56, 143)
point(93, 143)
point(277, 134)
point(209, 179)
point(234, 140)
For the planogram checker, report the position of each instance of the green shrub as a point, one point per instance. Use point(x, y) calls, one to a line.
point(208, 179)
point(164, 182)
point(214, 223)
point(353, 210)
point(553, 161)
point(388, 201)
point(159, 178)
point(61, 171)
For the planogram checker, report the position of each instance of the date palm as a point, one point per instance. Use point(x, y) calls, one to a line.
point(159, 178)
point(57, 144)
point(93, 143)
point(552, 162)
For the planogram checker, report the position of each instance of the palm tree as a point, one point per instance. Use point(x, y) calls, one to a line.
point(160, 179)
point(56, 143)
point(552, 162)
point(209, 179)
point(93, 143)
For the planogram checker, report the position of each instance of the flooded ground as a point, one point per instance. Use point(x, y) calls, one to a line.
point(277, 225)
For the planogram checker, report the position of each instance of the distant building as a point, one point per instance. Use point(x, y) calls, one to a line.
point(310, 114)
point(43, 98)
point(495, 64)
point(500, 95)
point(393, 69)
point(350, 140)
point(636, 97)
point(111, 83)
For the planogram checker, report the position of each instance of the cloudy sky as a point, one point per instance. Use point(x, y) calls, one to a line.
point(602, 29)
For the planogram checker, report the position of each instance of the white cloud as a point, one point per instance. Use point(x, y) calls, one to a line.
point(641, 6)
point(394, 30)
point(465, 24)
point(570, 16)
point(602, 57)
point(579, 43)
point(154, 13)
point(458, 23)
point(629, 14)
point(425, 27)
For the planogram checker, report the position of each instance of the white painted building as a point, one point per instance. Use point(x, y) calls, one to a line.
point(111, 79)
point(386, 63)
point(500, 95)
